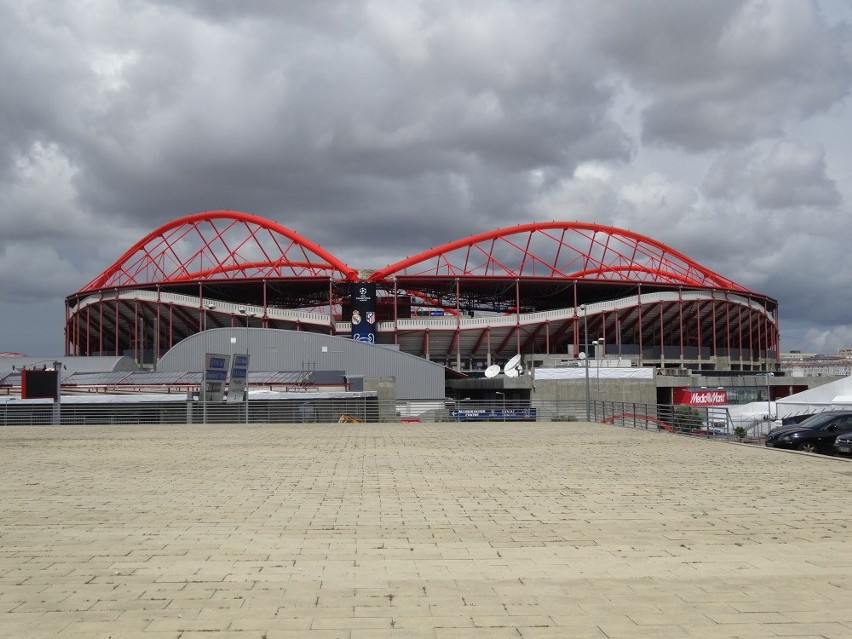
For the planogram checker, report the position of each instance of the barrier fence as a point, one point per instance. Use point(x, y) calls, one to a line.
point(705, 422)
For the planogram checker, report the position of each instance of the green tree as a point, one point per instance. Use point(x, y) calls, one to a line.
point(686, 418)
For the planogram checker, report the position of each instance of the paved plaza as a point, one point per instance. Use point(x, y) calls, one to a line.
point(417, 530)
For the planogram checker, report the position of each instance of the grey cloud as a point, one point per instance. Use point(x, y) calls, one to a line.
point(727, 175)
point(790, 175)
point(722, 74)
point(379, 129)
point(794, 175)
point(196, 119)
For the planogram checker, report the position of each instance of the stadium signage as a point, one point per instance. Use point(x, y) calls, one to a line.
point(363, 311)
point(700, 397)
point(215, 376)
point(239, 378)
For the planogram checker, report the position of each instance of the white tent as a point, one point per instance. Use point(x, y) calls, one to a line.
point(837, 394)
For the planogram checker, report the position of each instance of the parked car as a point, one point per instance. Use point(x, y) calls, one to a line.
point(814, 435)
point(843, 445)
point(792, 423)
point(790, 420)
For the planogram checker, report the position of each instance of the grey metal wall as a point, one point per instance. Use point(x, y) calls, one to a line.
point(279, 350)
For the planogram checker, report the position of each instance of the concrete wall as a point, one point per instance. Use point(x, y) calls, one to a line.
point(572, 393)
point(385, 388)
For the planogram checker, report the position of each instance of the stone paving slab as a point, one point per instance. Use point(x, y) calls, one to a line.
point(352, 531)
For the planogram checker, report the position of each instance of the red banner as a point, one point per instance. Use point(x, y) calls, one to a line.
point(700, 397)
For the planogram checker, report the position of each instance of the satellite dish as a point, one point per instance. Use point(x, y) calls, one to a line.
point(492, 371)
point(512, 372)
point(582, 355)
point(512, 364)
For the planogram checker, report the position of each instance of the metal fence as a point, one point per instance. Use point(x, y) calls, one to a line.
point(704, 422)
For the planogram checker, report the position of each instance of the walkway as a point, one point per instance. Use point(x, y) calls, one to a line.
point(417, 530)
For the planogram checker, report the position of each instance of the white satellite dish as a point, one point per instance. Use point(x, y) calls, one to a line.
point(581, 355)
point(492, 371)
point(512, 364)
point(512, 372)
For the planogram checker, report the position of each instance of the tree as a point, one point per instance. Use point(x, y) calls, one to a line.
point(686, 418)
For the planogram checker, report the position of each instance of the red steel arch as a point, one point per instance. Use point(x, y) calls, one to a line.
point(560, 251)
point(220, 245)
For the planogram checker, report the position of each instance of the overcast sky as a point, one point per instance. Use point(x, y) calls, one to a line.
point(381, 128)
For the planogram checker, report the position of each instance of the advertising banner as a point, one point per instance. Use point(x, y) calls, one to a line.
point(700, 397)
point(239, 378)
point(494, 415)
point(363, 312)
point(215, 376)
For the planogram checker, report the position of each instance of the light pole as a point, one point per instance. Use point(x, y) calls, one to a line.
point(599, 352)
point(585, 355)
point(245, 312)
point(57, 404)
point(209, 306)
point(769, 376)
point(503, 395)
point(599, 344)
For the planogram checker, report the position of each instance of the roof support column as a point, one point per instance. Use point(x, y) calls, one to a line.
point(116, 322)
point(458, 328)
point(100, 324)
point(713, 322)
point(680, 320)
point(395, 312)
point(264, 321)
point(517, 315)
point(157, 330)
point(639, 305)
point(547, 337)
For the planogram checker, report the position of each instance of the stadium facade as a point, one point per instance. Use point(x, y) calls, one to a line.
point(546, 289)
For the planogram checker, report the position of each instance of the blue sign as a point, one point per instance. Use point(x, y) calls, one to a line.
point(239, 377)
point(363, 295)
point(215, 376)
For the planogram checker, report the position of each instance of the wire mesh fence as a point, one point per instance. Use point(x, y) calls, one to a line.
point(704, 422)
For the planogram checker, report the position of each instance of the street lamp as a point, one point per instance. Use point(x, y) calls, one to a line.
point(503, 395)
point(585, 355)
point(245, 312)
point(769, 376)
point(209, 306)
point(599, 345)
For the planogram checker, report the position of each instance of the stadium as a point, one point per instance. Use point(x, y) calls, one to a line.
point(545, 290)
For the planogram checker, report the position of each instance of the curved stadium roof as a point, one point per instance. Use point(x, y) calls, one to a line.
point(515, 289)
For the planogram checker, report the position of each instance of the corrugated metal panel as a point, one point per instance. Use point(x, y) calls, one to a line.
point(279, 350)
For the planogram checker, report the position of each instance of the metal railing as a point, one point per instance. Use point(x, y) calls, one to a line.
point(704, 422)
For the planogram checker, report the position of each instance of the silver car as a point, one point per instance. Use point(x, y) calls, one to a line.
point(843, 445)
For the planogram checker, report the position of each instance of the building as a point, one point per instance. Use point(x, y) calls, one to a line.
point(543, 290)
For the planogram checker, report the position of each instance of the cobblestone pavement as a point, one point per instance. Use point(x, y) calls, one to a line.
point(417, 530)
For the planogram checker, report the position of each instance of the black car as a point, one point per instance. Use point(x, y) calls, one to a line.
point(843, 445)
point(814, 435)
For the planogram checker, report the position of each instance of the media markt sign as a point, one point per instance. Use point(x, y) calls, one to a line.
point(700, 397)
